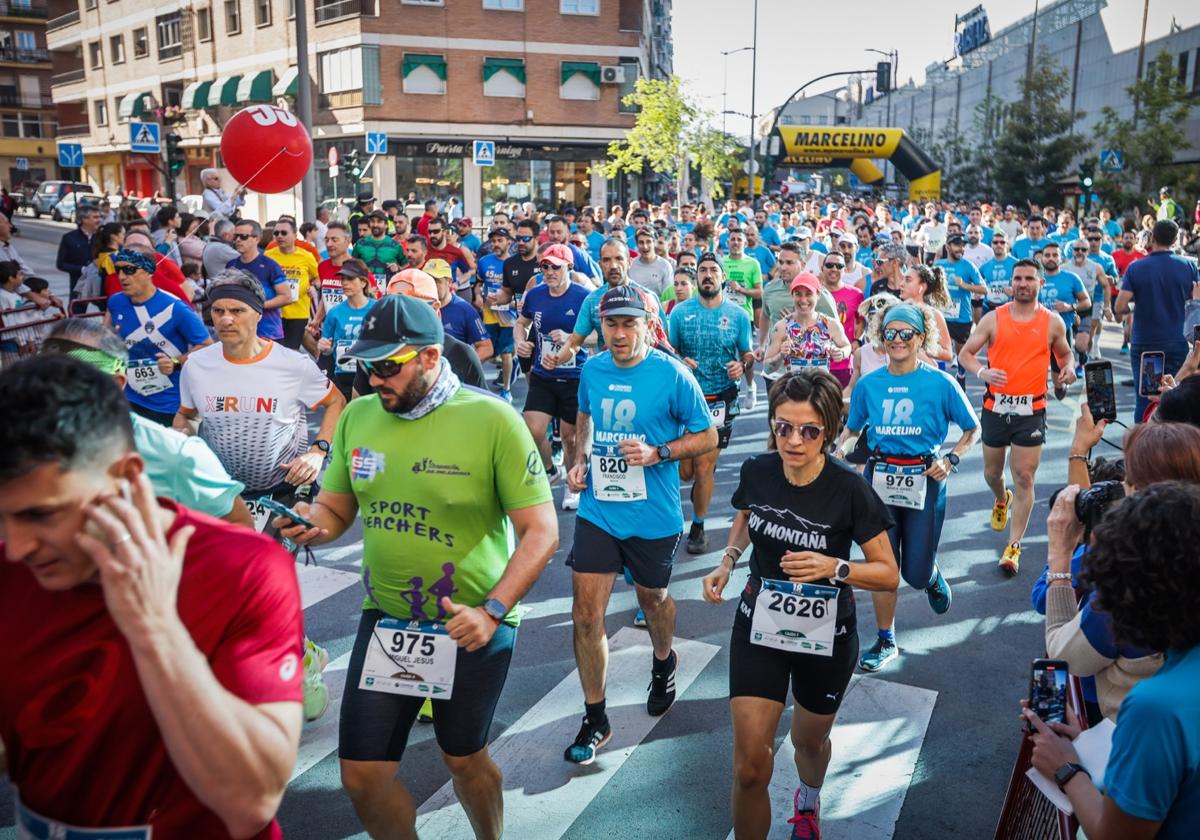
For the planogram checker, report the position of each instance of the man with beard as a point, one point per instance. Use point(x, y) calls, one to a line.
point(713, 336)
point(460, 259)
point(559, 231)
point(962, 281)
point(412, 458)
point(380, 252)
point(1062, 292)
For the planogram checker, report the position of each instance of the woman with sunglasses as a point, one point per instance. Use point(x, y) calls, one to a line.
point(906, 410)
point(802, 510)
point(808, 338)
point(927, 285)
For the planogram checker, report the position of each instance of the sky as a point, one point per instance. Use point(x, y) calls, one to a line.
point(800, 40)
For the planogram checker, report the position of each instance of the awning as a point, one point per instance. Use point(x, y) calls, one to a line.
point(136, 105)
point(436, 63)
point(514, 66)
point(288, 84)
point(195, 95)
point(588, 68)
point(256, 87)
point(224, 91)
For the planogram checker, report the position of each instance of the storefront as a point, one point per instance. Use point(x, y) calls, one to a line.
point(105, 171)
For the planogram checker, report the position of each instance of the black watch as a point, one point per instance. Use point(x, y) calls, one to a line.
point(664, 453)
point(952, 458)
point(1063, 775)
point(323, 445)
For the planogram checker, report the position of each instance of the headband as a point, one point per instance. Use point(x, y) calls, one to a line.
point(906, 313)
point(98, 359)
point(235, 291)
point(135, 258)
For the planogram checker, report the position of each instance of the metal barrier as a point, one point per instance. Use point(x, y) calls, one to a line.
point(21, 333)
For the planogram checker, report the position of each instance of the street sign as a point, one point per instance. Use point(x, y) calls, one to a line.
point(1112, 160)
point(332, 157)
point(485, 153)
point(70, 154)
point(377, 142)
point(22, 164)
point(751, 170)
point(334, 170)
point(145, 138)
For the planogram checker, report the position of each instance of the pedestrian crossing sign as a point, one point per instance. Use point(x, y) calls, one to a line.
point(145, 138)
point(485, 153)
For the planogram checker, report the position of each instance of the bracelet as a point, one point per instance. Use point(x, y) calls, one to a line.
point(1058, 576)
point(979, 374)
point(729, 552)
point(1083, 458)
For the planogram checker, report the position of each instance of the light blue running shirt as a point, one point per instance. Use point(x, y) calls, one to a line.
point(908, 414)
point(712, 337)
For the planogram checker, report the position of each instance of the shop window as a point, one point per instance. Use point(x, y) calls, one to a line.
point(579, 80)
point(504, 77)
point(424, 73)
point(437, 178)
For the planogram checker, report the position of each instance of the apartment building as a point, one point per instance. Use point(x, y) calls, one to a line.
point(27, 151)
point(541, 78)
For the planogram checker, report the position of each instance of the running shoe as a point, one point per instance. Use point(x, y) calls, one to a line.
point(939, 594)
point(556, 452)
point(1079, 371)
point(880, 654)
point(591, 737)
point(316, 694)
point(554, 475)
point(319, 653)
point(639, 620)
point(697, 540)
point(806, 825)
point(570, 500)
point(750, 398)
point(662, 687)
point(1000, 512)
point(426, 713)
point(1010, 561)
point(506, 395)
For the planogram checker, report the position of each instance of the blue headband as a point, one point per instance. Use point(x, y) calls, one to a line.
point(135, 258)
point(908, 314)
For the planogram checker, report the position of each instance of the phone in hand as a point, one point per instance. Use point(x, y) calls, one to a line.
point(1101, 392)
point(1152, 367)
point(280, 509)
point(1048, 690)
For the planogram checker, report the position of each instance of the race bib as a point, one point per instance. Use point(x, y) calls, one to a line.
point(800, 364)
point(332, 296)
point(413, 658)
point(1019, 404)
point(506, 313)
point(341, 362)
point(900, 486)
point(258, 513)
point(949, 311)
point(294, 289)
point(614, 479)
point(551, 349)
point(716, 410)
point(145, 378)
point(795, 617)
point(997, 294)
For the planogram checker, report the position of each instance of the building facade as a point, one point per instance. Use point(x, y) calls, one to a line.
point(543, 79)
point(27, 151)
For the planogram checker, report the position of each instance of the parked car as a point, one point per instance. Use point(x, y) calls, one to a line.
point(65, 209)
point(49, 193)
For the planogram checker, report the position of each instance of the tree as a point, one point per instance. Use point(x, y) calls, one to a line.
point(671, 131)
point(1037, 143)
point(1150, 138)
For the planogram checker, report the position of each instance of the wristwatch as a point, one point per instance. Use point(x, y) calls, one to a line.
point(1064, 774)
point(664, 453)
point(842, 572)
point(323, 445)
point(953, 459)
point(495, 609)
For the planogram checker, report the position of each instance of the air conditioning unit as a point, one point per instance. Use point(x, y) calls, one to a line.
point(613, 74)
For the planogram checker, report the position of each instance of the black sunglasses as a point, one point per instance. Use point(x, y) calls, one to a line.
point(834, 265)
point(242, 237)
point(1095, 239)
point(544, 266)
point(523, 238)
point(386, 368)
point(905, 334)
point(279, 233)
point(127, 269)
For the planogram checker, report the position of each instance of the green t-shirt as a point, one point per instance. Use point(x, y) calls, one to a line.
point(747, 273)
point(377, 253)
point(433, 494)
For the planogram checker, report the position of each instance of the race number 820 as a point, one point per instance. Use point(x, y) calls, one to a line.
point(613, 465)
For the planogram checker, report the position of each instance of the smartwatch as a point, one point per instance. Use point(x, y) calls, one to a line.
point(952, 458)
point(664, 453)
point(323, 445)
point(1063, 775)
point(842, 572)
point(495, 609)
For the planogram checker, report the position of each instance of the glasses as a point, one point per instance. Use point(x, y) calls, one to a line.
point(549, 266)
point(280, 233)
point(1095, 239)
point(386, 368)
point(523, 238)
point(809, 432)
point(836, 265)
point(434, 231)
point(127, 269)
point(242, 237)
point(905, 334)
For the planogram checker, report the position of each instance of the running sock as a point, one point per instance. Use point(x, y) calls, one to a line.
point(807, 796)
point(595, 712)
point(662, 665)
point(699, 522)
point(888, 635)
point(1083, 357)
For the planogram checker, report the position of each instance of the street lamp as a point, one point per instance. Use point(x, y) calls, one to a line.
point(725, 86)
point(894, 57)
point(753, 90)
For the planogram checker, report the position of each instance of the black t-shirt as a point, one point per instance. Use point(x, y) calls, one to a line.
point(827, 516)
point(463, 359)
point(517, 273)
point(880, 286)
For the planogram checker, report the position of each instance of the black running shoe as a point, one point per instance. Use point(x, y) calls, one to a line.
point(662, 687)
point(697, 540)
point(591, 737)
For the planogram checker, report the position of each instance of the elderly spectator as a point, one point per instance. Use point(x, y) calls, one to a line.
point(218, 202)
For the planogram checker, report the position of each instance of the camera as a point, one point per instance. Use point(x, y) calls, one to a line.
point(1092, 503)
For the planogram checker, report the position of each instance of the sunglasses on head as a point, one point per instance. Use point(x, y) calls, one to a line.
point(905, 334)
point(127, 269)
point(808, 431)
point(525, 238)
point(385, 368)
point(242, 237)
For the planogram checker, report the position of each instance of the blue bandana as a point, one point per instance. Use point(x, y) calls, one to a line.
point(908, 314)
point(135, 258)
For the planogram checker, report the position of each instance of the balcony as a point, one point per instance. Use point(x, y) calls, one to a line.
point(73, 130)
point(9, 99)
point(20, 56)
point(68, 78)
point(63, 21)
point(22, 10)
point(331, 10)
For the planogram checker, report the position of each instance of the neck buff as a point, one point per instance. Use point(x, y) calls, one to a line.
point(444, 387)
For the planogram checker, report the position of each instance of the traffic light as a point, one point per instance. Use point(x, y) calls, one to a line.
point(883, 77)
point(175, 157)
point(353, 166)
point(1087, 171)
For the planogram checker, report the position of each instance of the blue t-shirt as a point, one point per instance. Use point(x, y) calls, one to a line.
point(162, 324)
point(962, 271)
point(588, 321)
point(341, 326)
point(548, 313)
point(584, 263)
point(1108, 267)
point(770, 236)
point(1154, 769)
point(764, 256)
point(594, 240)
point(1161, 283)
point(1024, 248)
point(908, 414)
point(866, 256)
point(269, 274)
point(1063, 286)
point(997, 276)
point(470, 242)
point(461, 320)
point(712, 337)
point(490, 271)
point(655, 401)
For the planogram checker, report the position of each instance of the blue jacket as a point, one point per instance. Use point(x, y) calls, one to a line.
point(74, 254)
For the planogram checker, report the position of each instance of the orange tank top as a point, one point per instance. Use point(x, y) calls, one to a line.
point(1022, 350)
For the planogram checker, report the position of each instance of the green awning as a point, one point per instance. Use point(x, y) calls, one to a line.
point(288, 84)
point(588, 68)
point(224, 91)
point(195, 96)
point(436, 63)
point(136, 105)
point(256, 87)
point(514, 66)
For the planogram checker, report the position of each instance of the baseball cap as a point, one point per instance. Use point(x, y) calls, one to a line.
point(805, 280)
point(438, 269)
point(622, 300)
point(845, 237)
point(499, 231)
point(465, 220)
point(803, 233)
point(415, 283)
point(353, 269)
point(394, 321)
point(558, 254)
point(956, 239)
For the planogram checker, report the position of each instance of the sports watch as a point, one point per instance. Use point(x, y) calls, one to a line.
point(843, 571)
point(495, 609)
point(1063, 775)
point(664, 453)
point(952, 458)
point(323, 445)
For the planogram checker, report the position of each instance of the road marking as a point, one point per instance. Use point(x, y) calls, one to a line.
point(335, 555)
point(876, 741)
point(320, 738)
point(320, 582)
point(543, 794)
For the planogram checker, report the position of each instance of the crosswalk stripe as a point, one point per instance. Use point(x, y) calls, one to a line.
point(320, 738)
point(876, 741)
point(320, 582)
point(544, 794)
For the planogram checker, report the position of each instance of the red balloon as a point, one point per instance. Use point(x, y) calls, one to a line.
point(266, 149)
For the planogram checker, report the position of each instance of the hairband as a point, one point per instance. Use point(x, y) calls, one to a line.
point(135, 258)
point(235, 291)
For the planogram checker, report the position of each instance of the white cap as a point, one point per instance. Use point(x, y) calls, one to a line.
point(803, 233)
point(846, 237)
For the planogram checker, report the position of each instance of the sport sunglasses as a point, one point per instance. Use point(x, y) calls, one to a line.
point(385, 368)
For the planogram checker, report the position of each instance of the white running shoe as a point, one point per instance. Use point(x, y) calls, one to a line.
point(570, 500)
point(750, 398)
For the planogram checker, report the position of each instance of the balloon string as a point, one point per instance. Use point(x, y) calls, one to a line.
point(265, 165)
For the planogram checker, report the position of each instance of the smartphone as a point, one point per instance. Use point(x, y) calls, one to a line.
point(1048, 690)
point(280, 509)
point(1152, 367)
point(1101, 394)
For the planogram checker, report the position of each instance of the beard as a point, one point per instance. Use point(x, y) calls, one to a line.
point(709, 292)
point(404, 401)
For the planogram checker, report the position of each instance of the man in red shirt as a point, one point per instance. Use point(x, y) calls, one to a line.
point(422, 224)
point(152, 676)
point(460, 259)
point(1122, 257)
point(167, 275)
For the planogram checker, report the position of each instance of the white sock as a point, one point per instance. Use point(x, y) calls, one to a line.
point(807, 797)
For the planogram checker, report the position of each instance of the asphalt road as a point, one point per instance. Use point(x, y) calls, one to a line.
point(971, 664)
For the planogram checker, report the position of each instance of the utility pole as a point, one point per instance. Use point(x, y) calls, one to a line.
point(753, 89)
point(1032, 50)
point(308, 190)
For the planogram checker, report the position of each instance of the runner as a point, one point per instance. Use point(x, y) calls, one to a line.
point(848, 295)
point(997, 273)
point(801, 510)
point(1094, 280)
point(962, 281)
point(437, 471)
point(159, 331)
point(744, 287)
point(713, 336)
point(489, 281)
point(806, 338)
point(1020, 337)
point(340, 328)
point(382, 254)
point(649, 414)
point(552, 308)
point(1102, 295)
point(300, 268)
point(1062, 292)
point(276, 291)
point(889, 268)
point(151, 654)
point(927, 284)
point(905, 411)
point(459, 318)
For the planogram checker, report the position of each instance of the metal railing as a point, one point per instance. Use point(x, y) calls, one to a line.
point(25, 10)
point(63, 21)
point(18, 100)
point(336, 9)
point(69, 77)
point(73, 130)
point(24, 56)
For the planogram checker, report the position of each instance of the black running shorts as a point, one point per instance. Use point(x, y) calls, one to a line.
point(598, 552)
point(1000, 430)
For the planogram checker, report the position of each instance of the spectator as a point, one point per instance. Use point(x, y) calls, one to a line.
point(8, 251)
point(1181, 404)
point(167, 275)
point(75, 247)
point(191, 238)
point(218, 248)
point(105, 243)
point(166, 233)
point(218, 202)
